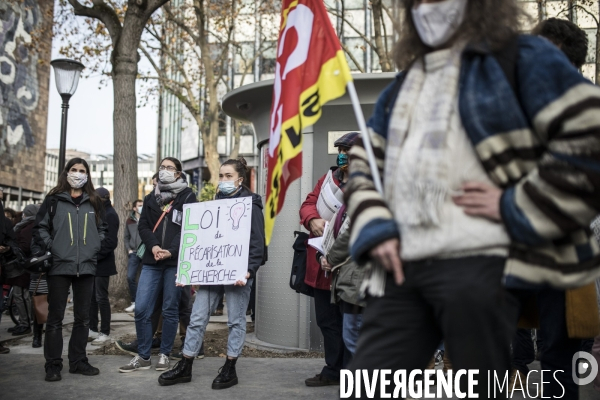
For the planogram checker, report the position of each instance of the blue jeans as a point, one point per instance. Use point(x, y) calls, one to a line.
point(152, 279)
point(207, 298)
point(133, 265)
point(350, 329)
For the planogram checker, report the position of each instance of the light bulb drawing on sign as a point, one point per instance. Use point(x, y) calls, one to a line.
point(236, 212)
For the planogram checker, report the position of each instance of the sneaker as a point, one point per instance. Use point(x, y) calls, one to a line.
point(439, 357)
point(84, 368)
point(163, 362)
point(101, 340)
point(218, 312)
point(21, 330)
point(136, 363)
point(53, 372)
point(129, 348)
point(92, 335)
point(320, 380)
point(131, 308)
point(4, 350)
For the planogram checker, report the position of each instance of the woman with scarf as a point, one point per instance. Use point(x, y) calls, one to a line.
point(70, 225)
point(160, 230)
point(231, 177)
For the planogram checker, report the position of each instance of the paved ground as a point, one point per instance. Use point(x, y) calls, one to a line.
point(22, 377)
point(22, 374)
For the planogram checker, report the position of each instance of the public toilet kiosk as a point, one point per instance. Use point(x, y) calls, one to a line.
point(285, 320)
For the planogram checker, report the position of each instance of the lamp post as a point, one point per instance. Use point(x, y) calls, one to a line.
point(67, 74)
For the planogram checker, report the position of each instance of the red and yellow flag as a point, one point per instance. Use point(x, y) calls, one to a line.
point(311, 70)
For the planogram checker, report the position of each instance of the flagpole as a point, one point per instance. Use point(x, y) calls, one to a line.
point(360, 118)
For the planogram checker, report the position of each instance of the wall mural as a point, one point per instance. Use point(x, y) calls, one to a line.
point(19, 85)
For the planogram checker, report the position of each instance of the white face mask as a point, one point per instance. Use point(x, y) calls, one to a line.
point(166, 176)
point(76, 179)
point(139, 209)
point(437, 22)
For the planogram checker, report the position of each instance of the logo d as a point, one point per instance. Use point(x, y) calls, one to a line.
point(582, 367)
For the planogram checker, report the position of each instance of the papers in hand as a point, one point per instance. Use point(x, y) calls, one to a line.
point(321, 243)
point(316, 243)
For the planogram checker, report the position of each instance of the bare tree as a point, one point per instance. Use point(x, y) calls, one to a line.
point(381, 14)
point(196, 43)
point(115, 29)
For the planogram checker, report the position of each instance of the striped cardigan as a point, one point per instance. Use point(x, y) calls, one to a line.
point(539, 142)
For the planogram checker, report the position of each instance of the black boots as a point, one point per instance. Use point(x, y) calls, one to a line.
point(53, 369)
point(181, 373)
point(37, 335)
point(227, 376)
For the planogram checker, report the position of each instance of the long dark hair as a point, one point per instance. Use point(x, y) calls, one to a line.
point(492, 22)
point(88, 188)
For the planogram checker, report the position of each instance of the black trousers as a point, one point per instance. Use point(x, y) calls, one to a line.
point(329, 320)
point(58, 290)
point(557, 349)
point(100, 302)
point(459, 300)
point(523, 350)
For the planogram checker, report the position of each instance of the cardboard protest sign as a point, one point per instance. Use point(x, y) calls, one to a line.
point(215, 240)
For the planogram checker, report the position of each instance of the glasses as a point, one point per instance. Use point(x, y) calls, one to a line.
point(169, 168)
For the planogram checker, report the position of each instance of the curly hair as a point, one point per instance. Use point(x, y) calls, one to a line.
point(492, 22)
point(567, 36)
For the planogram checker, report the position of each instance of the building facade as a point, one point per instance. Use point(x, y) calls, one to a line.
point(25, 44)
point(255, 39)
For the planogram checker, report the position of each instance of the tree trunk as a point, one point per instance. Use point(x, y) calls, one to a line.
point(211, 155)
point(597, 75)
point(125, 160)
point(380, 47)
point(235, 150)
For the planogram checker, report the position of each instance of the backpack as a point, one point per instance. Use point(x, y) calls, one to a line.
point(42, 263)
point(299, 265)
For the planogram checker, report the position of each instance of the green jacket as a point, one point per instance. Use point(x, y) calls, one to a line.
point(346, 274)
point(75, 239)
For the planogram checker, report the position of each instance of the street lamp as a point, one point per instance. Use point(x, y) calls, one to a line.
point(67, 74)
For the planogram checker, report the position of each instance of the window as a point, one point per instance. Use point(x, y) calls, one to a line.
point(268, 59)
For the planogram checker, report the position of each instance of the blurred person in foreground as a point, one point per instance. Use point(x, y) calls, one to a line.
point(491, 174)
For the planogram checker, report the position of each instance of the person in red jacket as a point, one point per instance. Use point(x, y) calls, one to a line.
point(318, 208)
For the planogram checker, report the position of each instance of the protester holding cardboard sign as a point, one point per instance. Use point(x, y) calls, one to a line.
point(160, 229)
point(231, 178)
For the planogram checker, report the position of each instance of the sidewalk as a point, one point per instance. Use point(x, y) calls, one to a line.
point(22, 377)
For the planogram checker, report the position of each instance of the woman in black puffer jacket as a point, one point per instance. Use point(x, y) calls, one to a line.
point(74, 237)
